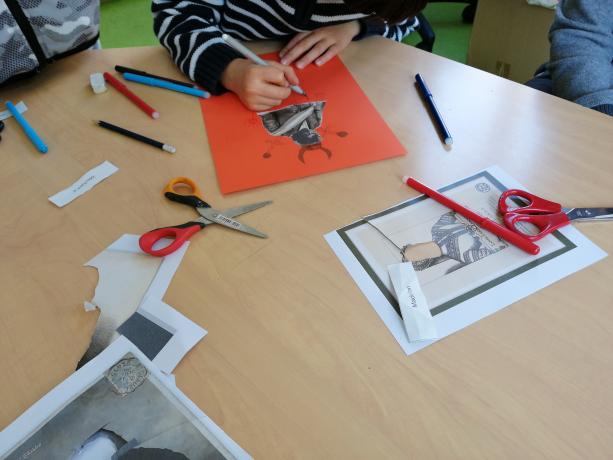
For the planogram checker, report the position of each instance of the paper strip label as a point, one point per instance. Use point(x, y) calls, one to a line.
point(21, 107)
point(84, 184)
point(418, 320)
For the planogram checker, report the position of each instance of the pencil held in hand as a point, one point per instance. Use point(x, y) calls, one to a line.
point(238, 46)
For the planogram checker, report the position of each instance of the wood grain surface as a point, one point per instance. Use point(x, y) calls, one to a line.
point(296, 363)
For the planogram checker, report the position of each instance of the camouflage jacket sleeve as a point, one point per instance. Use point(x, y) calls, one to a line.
point(33, 33)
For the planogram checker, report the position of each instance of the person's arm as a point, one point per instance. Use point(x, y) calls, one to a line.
point(396, 32)
point(190, 32)
point(581, 53)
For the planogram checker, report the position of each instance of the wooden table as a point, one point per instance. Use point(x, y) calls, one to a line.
point(297, 364)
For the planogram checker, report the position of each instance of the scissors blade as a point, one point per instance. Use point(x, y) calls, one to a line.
point(233, 212)
point(216, 217)
point(589, 213)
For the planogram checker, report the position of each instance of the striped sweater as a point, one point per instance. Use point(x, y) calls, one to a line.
point(191, 29)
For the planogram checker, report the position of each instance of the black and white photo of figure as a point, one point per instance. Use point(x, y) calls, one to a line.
point(453, 238)
point(126, 414)
point(455, 260)
point(298, 122)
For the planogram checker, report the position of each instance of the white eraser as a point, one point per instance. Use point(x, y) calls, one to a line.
point(96, 80)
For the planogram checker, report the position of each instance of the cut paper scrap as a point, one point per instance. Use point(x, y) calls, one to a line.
point(21, 107)
point(87, 181)
point(126, 277)
point(335, 127)
point(162, 333)
point(123, 397)
point(416, 315)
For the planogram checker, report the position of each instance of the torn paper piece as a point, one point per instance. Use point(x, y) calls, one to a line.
point(162, 333)
point(21, 107)
point(149, 336)
point(416, 316)
point(84, 184)
point(119, 405)
point(126, 276)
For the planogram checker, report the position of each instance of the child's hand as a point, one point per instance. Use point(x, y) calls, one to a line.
point(319, 45)
point(259, 87)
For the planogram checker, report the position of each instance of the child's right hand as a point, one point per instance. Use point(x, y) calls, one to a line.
point(259, 87)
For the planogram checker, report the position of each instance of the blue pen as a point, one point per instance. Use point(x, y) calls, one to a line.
point(35, 138)
point(164, 84)
point(425, 92)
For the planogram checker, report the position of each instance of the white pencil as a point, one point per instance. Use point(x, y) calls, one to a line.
point(238, 46)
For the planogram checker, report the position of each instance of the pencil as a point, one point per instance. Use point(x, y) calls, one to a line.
point(139, 137)
point(122, 69)
point(238, 46)
point(27, 129)
point(438, 119)
point(488, 224)
point(123, 89)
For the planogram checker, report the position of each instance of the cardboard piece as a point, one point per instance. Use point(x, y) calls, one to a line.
point(340, 129)
point(510, 38)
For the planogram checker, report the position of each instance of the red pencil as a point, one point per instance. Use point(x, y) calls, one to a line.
point(123, 89)
point(488, 224)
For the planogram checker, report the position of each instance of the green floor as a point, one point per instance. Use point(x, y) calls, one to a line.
point(128, 23)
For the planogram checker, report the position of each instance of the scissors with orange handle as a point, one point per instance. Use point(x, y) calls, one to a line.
point(208, 215)
point(519, 206)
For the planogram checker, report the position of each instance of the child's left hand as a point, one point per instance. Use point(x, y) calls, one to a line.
point(319, 45)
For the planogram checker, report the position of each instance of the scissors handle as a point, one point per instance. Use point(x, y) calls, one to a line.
point(535, 204)
point(179, 234)
point(191, 198)
point(546, 223)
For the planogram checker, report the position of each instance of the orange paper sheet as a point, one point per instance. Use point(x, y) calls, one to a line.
point(351, 133)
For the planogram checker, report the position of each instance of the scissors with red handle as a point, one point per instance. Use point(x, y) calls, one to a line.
point(208, 215)
point(519, 206)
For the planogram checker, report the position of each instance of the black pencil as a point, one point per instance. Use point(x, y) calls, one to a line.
point(138, 137)
point(122, 69)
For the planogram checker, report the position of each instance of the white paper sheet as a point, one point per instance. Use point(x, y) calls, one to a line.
point(85, 183)
point(127, 276)
point(20, 106)
point(186, 332)
point(459, 292)
point(43, 412)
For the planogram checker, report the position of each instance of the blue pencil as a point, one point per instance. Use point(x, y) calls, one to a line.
point(34, 137)
point(164, 84)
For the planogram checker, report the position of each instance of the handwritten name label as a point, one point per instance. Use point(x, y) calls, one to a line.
point(84, 184)
point(418, 321)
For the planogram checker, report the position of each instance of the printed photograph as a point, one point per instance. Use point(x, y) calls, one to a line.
point(454, 258)
point(127, 414)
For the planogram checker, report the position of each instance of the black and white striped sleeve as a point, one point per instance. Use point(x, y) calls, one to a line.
point(392, 31)
point(189, 31)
